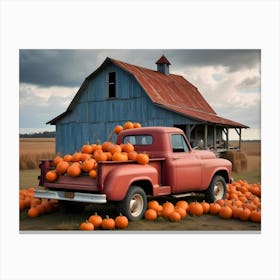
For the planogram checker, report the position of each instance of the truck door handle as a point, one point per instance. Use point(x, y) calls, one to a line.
point(175, 158)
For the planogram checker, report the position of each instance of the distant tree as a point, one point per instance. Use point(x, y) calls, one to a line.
point(45, 134)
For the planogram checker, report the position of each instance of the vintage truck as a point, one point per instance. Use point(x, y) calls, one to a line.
point(174, 168)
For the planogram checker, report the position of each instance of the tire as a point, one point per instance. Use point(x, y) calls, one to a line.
point(216, 190)
point(134, 205)
point(70, 207)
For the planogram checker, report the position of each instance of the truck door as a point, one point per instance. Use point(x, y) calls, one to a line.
point(187, 166)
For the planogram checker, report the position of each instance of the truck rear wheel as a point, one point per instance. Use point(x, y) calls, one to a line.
point(134, 205)
point(216, 190)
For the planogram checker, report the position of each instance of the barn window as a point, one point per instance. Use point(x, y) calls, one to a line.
point(112, 84)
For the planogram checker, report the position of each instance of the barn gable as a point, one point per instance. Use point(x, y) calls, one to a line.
point(117, 91)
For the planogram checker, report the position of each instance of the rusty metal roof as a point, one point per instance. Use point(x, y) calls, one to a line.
point(175, 93)
point(171, 92)
point(163, 60)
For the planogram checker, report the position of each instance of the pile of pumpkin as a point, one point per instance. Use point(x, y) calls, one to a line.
point(86, 160)
point(35, 206)
point(95, 222)
point(243, 202)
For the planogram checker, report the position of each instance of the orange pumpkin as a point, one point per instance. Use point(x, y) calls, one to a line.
point(150, 214)
point(108, 223)
point(181, 211)
point(74, 170)
point(93, 173)
point(76, 156)
point(56, 160)
point(87, 148)
point(195, 209)
point(118, 129)
point(121, 222)
point(214, 208)
point(174, 216)
point(51, 175)
point(127, 147)
point(88, 165)
point(142, 158)
point(62, 167)
point(255, 216)
point(167, 208)
point(153, 204)
point(132, 155)
point(128, 125)
point(182, 204)
point(96, 220)
point(33, 212)
point(137, 125)
point(67, 157)
point(86, 226)
point(206, 207)
point(225, 212)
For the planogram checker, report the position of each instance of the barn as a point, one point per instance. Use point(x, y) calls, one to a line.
point(118, 91)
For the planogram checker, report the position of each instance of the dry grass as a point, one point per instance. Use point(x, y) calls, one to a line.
point(32, 150)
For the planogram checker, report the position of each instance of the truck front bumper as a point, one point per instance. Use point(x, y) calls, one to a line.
point(71, 196)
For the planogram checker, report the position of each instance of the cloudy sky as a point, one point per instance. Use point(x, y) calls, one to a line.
point(229, 80)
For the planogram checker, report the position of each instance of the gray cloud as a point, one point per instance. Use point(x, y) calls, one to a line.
point(70, 67)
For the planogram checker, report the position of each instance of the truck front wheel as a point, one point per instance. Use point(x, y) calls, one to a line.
point(216, 190)
point(134, 205)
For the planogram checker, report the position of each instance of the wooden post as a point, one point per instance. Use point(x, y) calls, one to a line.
point(205, 136)
point(215, 137)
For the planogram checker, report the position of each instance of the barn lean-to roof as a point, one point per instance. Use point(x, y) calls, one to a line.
point(171, 92)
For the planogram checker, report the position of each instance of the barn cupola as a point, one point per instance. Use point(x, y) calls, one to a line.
point(163, 65)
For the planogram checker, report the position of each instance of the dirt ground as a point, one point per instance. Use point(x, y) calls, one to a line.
point(59, 221)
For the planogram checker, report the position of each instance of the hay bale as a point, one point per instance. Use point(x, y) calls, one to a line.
point(236, 166)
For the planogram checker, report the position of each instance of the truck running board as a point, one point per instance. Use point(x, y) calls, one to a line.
point(185, 194)
point(71, 196)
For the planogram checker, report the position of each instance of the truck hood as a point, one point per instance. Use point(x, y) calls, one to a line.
point(204, 154)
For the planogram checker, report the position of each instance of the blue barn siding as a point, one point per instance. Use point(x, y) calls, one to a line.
point(95, 115)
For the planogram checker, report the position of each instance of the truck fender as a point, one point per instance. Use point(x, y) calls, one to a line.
point(119, 179)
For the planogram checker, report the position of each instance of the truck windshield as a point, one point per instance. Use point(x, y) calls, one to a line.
point(178, 143)
point(139, 139)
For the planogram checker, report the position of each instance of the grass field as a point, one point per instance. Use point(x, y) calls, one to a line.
point(31, 150)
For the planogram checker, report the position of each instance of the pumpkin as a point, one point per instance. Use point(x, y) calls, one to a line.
point(96, 147)
point(214, 208)
point(56, 160)
point(67, 158)
point(99, 155)
point(182, 204)
point(181, 211)
point(93, 173)
point(96, 220)
point(128, 125)
point(62, 167)
point(225, 212)
point(174, 216)
point(115, 149)
point(206, 206)
point(51, 175)
point(21, 204)
point(127, 147)
point(153, 204)
point(118, 129)
point(195, 209)
point(74, 170)
point(87, 149)
point(245, 214)
point(119, 156)
point(88, 165)
point(86, 226)
point(167, 208)
point(76, 156)
point(121, 222)
point(84, 156)
point(137, 125)
point(33, 212)
point(106, 146)
point(142, 158)
point(150, 214)
point(255, 216)
point(108, 223)
point(132, 155)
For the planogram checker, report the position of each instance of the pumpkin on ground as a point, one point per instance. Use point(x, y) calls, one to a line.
point(96, 220)
point(195, 209)
point(174, 216)
point(108, 223)
point(121, 222)
point(86, 226)
point(150, 214)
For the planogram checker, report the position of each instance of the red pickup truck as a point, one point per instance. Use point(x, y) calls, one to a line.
point(174, 169)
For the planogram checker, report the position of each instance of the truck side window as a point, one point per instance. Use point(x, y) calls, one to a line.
point(178, 143)
point(138, 139)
